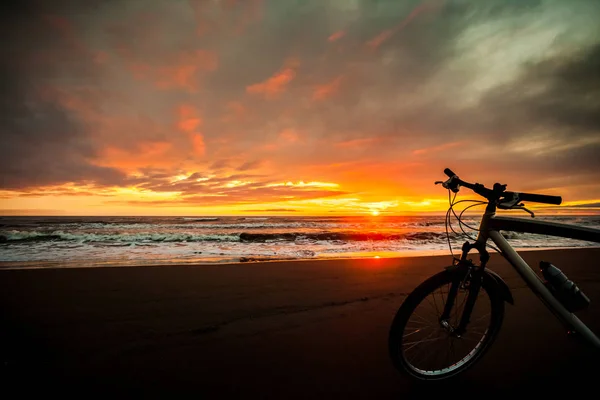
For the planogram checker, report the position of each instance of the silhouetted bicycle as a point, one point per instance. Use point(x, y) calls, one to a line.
point(448, 322)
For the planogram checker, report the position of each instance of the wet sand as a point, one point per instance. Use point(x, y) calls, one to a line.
point(301, 329)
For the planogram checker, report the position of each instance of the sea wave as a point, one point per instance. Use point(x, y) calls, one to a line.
point(37, 236)
point(339, 236)
point(24, 236)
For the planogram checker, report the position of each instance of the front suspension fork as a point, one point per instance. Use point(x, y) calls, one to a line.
point(470, 280)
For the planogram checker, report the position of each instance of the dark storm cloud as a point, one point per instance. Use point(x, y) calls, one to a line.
point(561, 91)
point(40, 142)
point(395, 73)
point(559, 97)
point(382, 89)
point(40, 145)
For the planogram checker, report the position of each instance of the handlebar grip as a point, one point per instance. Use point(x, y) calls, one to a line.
point(540, 198)
point(449, 172)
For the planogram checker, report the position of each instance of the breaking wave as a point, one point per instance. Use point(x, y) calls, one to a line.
point(17, 236)
point(36, 236)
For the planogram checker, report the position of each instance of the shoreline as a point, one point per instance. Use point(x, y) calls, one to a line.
point(214, 261)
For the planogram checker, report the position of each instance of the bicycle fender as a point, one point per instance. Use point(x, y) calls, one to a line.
point(503, 288)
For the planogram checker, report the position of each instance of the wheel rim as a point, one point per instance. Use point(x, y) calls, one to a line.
point(430, 347)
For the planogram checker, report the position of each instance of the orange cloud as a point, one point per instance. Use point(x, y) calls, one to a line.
point(289, 135)
point(184, 74)
point(146, 154)
point(189, 125)
point(182, 70)
point(336, 36)
point(434, 149)
point(189, 121)
point(327, 90)
point(276, 84)
point(198, 143)
point(358, 143)
point(385, 35)
point(235, 112)
point(285, 138)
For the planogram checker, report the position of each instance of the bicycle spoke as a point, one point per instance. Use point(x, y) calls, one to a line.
point(480, 318)
point(421, 341)
point(435, 303)
point(420, 351)
point(415, 344)
point(427, 356)
point(419, 316)
point(437, 351)
point(417, 331)
point(443, 299)
point(435, 313)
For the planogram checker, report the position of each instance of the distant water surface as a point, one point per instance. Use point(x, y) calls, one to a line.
point(96, 241)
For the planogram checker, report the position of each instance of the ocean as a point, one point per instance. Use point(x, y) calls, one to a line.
point(41, 242)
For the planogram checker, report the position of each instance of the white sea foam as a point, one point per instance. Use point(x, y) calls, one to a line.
point(162, 240)
point(117, 237)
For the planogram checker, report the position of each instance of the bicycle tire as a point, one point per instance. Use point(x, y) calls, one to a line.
point(410, 304)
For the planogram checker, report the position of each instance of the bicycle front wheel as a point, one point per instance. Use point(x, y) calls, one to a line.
point(429, 347)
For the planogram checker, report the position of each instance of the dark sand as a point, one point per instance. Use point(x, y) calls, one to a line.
point(307, 329)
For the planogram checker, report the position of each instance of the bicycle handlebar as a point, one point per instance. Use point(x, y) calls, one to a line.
point(540, 198)
point(449, 172)
point(498, 191)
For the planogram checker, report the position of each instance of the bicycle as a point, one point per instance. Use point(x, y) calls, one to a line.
point(465, 289)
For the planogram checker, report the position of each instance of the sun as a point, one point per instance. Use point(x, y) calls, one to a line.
point(375, 213)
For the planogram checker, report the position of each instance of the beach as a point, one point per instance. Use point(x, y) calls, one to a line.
point(280, 329)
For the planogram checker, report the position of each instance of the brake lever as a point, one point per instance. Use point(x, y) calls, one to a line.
point(522, 207)
point(508, 203)
point(447, 185)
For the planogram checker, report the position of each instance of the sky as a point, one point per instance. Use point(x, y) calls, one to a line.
point(294, 107)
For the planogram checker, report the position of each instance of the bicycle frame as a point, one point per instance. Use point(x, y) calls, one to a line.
point(490, 228)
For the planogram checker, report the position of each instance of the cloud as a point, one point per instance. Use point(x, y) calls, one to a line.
point(385, 35)
point(586, 205)
point(272, 210)
point(328, 89)
point(548, 118)
point(183, 74)
point(96, 91)
point(359, 143)
point(249, 165)
point(439, 148)
point(289, 135)
point(274, 85)
point(42, 143)
point(336, 36)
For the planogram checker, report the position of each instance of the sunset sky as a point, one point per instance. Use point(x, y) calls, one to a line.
point(304, 107)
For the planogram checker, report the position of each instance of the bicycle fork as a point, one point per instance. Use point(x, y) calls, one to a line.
point(472, 283)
